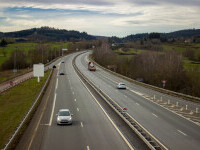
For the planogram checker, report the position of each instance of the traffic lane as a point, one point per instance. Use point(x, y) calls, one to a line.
point(112, 78)
point(100, 132)
point(165, 125)
point(146, 114)
point(145, 91)
point(61, 137)
point(140, 116)
point(33, 136)
point(84, 134)
point(151, 93)
point(64, 136)
point(128, 93)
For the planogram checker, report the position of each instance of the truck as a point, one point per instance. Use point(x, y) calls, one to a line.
point(91, 66)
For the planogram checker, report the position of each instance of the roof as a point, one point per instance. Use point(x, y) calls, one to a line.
point(63, 109)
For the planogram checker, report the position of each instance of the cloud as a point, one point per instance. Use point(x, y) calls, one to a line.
point(101, 17)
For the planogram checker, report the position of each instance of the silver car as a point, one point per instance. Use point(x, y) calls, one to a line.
point(64, 117)
point(121, 86)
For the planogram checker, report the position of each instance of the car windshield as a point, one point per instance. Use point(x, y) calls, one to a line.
point(64, 113)
point(122, 84)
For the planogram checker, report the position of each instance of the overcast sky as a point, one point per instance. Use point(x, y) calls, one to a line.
point(101, 17)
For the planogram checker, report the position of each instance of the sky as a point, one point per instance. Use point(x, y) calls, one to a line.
point(101, 17)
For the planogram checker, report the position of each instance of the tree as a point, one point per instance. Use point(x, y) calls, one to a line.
point(154, 35)
point(198, 56)
point(154, 67)
point(3, 43)
point(189, 53)
point(18, 60)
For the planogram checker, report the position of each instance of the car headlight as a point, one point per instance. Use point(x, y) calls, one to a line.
point(58, 119)
point(70, 118)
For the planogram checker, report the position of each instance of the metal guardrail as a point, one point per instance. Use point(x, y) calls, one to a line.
point(26, 118)
point(26, 72)
point(187, 97)
point(15, 83)
point(147, 138)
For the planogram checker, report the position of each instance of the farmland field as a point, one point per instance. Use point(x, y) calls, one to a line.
point(26, 46)
point(179, 48)
point(15, 103)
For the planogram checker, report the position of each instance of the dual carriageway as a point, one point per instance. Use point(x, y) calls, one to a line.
point(94, 126)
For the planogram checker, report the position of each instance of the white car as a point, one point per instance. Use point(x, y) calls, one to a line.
point(64, 117)
point(121, 86)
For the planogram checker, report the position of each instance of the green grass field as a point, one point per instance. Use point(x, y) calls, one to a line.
point(15, 103)
point(26, 46)
point(173, 47)
point(180, 48)
point(8, 74)
point(190, 65)
point(15, 46)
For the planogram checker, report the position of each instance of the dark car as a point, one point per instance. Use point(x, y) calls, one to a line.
point(61, 73)
point(54, 66)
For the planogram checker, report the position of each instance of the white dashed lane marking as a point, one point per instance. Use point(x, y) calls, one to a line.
point(81, 124)
point(155, 115)
point(182, 132)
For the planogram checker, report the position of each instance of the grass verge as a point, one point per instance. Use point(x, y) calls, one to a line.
point(15, 103)
point(8, 74)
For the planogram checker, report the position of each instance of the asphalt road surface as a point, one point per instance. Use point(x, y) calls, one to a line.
point(172, 130)
point(91, 129)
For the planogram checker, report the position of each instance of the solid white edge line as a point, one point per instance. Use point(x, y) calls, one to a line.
point(182, 132)
point(88, 148)
point(54, 102)
point(120, 133)
point(57, 83)
point(69, 82)
point(140, 94)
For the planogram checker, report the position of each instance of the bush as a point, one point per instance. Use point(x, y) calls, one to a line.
point(189, 53)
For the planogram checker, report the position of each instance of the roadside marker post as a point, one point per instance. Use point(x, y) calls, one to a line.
point(124, 110)
point(11, 83)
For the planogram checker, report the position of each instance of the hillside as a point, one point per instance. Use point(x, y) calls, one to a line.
point(189, 33)
point(52, 34)
point(1, 34)
point(48, 34)
point(183, 33)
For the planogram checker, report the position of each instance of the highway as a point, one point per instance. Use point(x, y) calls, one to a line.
point(92, 127)
point(172, 130)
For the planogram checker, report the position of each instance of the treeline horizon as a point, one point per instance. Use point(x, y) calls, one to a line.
point(52, 34)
